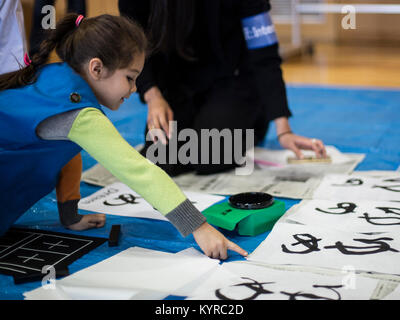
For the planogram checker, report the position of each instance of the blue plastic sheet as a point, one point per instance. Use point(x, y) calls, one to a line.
point(362, 120)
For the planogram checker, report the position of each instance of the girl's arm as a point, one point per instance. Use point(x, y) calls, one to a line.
point(94, 132)
point(68, 196)
point(68, 191)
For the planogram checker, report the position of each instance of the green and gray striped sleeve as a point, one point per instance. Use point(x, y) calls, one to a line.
point(95, 133)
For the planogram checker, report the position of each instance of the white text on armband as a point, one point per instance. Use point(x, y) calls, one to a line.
point(259, 31)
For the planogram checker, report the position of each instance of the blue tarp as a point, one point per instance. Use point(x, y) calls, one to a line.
point(361, 120)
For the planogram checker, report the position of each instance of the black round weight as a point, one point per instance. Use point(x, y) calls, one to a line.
point(251, 200)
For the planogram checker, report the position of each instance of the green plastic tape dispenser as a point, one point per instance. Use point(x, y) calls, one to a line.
point(251, 213)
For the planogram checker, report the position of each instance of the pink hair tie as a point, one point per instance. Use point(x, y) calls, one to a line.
point(27, 60)
point(78, 20)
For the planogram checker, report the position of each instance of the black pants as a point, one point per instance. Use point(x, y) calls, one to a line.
point(229, 104)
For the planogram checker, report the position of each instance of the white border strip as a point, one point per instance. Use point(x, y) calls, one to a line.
point(359, 8)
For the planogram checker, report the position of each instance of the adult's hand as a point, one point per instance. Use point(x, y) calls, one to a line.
point(297, 143)
point(159, 115)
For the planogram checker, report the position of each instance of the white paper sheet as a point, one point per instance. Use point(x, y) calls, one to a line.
point(188, 288)
point(329, 248)
point(98, 176)
point(395, 294)
point(119, 199)
point(352, 188)
point(131, 274)
point(282, 184)
point(278, 158)
point(357, 216)
point(376, 173)
point(280, 179)
point(244, 280)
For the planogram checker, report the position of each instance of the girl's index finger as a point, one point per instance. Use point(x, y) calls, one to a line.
point(234, 247)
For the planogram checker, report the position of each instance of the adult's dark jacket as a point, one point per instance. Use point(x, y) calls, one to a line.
point(221, 52)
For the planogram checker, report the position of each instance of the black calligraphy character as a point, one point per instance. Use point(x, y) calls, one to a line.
point(257, 287)
point(310, 242)
point(347, 207)
point(380, 246)
point(395, 188)
point(387, 210)
point(350, 182)
point(392, 180)
point(125, 198)
point(293, 296)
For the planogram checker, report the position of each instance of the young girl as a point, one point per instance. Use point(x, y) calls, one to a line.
point(50, 112)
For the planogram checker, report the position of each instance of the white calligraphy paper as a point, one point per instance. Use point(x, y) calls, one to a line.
point(134, 273)
point(119, 199)
point(376, 173)
point(352, 188)
point(271, 174)
point(268, 159)
point(247, 281)
point(357, 216)
point(395, 294)
point(283, 184)
point(329, 248)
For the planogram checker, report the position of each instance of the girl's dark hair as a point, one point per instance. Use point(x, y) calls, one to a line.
point(113, 39)
point(170, 25)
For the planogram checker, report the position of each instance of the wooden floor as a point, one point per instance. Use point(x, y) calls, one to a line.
point(346, 65)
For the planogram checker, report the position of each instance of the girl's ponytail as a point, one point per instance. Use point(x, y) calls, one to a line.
point(55, 37)
point(113, 39)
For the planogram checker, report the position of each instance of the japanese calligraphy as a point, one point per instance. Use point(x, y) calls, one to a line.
point(352, 188)
point(311, 242)
point(253, 285)
point(395, 188)
point(358, 216)
point(346, 206)
point(300, 294)
point(379, 246)
point(119, 199)
point(350, 182)
point(318, 246)
point(306, 240)
point(243, 280)
point(122, 199)
point(392, 220)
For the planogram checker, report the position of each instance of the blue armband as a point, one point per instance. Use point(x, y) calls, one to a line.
point(259, 31)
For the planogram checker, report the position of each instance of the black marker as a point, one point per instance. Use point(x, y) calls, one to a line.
point(113, 239)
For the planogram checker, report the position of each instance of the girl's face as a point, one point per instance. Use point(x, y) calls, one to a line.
point(112, 88)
